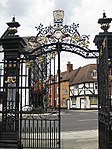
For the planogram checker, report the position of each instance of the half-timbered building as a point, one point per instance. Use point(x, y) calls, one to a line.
point(84, 89)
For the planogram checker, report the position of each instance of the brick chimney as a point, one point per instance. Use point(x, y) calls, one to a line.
point(69, 67)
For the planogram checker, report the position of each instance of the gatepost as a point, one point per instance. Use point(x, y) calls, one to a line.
point(13, 46)
point(103, 41)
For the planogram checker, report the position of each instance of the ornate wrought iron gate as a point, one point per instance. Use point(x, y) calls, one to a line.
point(30, 119)
point(40, 122)
point(30, 84)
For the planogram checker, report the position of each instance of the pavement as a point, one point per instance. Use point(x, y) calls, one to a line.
point(87, 139)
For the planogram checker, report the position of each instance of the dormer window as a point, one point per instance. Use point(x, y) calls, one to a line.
point(94, 74)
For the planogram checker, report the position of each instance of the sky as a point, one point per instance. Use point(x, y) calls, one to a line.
point(30, 13)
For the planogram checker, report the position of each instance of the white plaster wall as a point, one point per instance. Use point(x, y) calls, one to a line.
point(71, 88)
point(68, 104)
point(87, 102)
point(94, 106)
point(78, 102)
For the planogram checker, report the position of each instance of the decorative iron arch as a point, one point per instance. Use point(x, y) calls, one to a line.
point(66, 48)
point(65, 37)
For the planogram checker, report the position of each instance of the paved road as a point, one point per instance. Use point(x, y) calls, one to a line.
point(72, 120)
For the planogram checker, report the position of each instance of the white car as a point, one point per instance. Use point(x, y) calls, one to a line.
point(27, 108)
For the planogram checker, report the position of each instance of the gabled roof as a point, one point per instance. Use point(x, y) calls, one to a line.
point(68, 76)
point(80, 75)
point(84, 74)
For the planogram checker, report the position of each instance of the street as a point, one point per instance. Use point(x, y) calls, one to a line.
point(78, 120)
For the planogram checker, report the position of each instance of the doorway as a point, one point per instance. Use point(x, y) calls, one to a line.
point(82, 103)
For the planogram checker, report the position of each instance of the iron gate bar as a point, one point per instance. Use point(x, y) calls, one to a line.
point(58, 49)
point(41, 133)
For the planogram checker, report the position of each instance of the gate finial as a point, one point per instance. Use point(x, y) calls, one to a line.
point(13, 26)
point(104, 14)
point(13, 18)
point(105, 22)
point(58, 17)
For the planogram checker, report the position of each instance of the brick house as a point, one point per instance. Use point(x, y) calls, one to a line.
point(78, 88)
point(65, 78)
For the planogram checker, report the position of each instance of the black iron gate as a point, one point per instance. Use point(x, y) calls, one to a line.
point(30, 84)
point(30, 115)
point(40, 122)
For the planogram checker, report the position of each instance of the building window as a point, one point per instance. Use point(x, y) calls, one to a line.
point(57, 90)
point(57, 78)
point(76, 86)
point(1, 77)
point(63, 102)
point(91, 85)
point(93, 100)
point(50, 101)
point(96, 85)
point(73, 101)
point(72, 92)
point(64, 91)
point(57, 101)
point(0, 100)
point(50, 91)
point(94, 74)
point(87, 85)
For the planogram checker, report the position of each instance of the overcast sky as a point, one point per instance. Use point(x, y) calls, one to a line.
point(30, 13)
